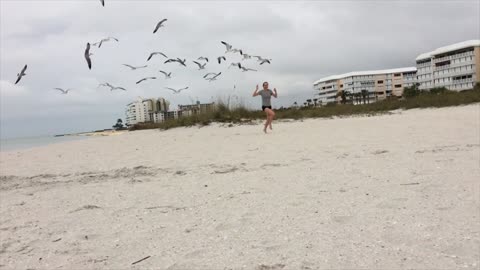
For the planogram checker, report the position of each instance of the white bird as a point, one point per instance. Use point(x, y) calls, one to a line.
point(87, 56)
point(239, 65)
point(175, 91)
point(182, 62)
point(62, 90)
point(247, 69)
point(265, 61)
point(214, 77)
point(104, 84)
point(219, 59)
point(167, 75)
point(118, 88)
point(21, 74)
point(228, 46)
point(262, 60)
point(237, 50)
point(200, 66)
point(146, 78)
point(203, 58)
point(155, 53)
point(159, 24)
point(246, 56)
point(104, 40)
point(208, 74)
point(134, 68)
point(103, 2)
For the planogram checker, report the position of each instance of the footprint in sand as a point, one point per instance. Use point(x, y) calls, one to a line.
point(86, 207)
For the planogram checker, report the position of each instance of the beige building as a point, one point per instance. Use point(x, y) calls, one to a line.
point(456, 66)
point(376, 84)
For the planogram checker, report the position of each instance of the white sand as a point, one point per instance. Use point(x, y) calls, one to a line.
point(393, 192)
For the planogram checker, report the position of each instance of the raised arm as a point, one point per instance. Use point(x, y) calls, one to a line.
point(275, 94)
point(255, 93)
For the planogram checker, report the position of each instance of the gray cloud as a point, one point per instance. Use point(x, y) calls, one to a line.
point(306, 40)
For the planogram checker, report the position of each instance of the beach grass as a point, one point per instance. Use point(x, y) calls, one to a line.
point(239, 113)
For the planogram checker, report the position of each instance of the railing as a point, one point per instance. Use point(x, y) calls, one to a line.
point(455, 56)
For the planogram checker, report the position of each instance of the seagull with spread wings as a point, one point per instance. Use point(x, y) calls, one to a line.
point(63, 90)
point(214, 78)
point(156, 53)
point(87, 56)
point(227, 46)
point(146, 78)
point(203, 58)
point(200, 66)
point(167, 75)
point(177, 91)
point(219, 59)
point(134, 68)
point(99, 44)
point(21, 74)
point(159, 24)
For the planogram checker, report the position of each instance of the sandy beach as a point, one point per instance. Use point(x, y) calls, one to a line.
point(395, 191)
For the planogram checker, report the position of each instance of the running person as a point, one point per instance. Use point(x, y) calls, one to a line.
point(266, 103)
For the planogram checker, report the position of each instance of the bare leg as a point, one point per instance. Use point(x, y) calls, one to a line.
point(266, 124)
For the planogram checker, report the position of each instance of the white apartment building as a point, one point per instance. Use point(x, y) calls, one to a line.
point(456, 66)
point(378, 84)
point(146, 110)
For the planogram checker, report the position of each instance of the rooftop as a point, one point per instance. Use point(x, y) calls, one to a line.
point(453, 47)
point(368, 72)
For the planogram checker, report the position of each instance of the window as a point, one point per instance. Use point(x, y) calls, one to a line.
point(396, 75)
point(398, 85)
point(379, 82)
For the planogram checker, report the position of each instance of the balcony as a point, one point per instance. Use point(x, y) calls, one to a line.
point(451, 57)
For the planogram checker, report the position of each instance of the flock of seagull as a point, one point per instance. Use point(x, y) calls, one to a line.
point(201, 62)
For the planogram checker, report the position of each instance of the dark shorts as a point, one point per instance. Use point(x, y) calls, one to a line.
point(264, 107)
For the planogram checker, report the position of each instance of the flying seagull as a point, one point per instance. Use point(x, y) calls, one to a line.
point(103, 2)
point(147, 78)
point(239, 65)
point(105, 40)
point(87, 56)
point(247, 69)
point(265, 61)
point(208, 74)
point(118, 88)
point(200, 66)
point(175, 91)
point(214, 77)
point(219, 59)
point(62, 90)
point(182, 62)
point(104, 84)
point(155, 53)
point(170, 60)
point(203, 58)
point(134, 68)
point(159, 24)
point(246, 56)
point(237, 50)
point(21, 74)
point(228, 46)
point(167, 75)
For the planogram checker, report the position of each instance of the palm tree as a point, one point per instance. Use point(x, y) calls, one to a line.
point(118, 125)
point(315, 102)
point(363, 95)
point(309, 101)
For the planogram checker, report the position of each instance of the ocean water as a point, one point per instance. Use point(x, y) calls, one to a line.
point(29, 142)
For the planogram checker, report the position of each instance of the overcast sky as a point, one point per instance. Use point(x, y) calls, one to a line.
point(306, 40)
